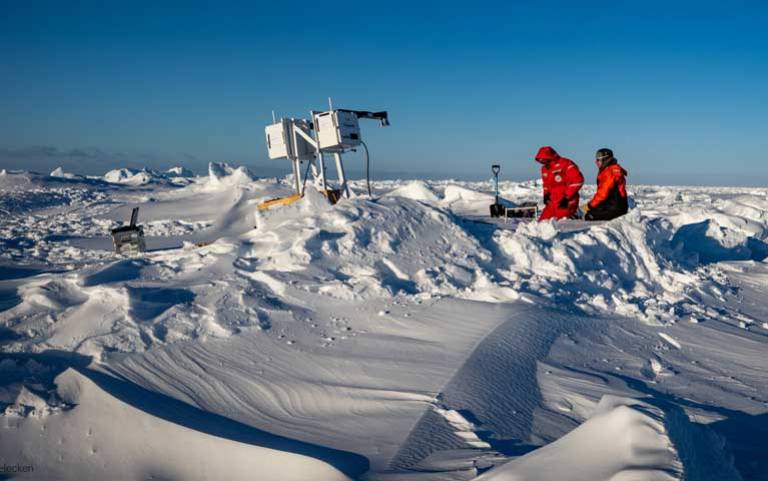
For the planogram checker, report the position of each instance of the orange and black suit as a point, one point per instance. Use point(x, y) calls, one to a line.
point(610, 200)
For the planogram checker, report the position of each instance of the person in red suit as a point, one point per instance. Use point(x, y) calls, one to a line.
point(610, 200)
point(562, 181)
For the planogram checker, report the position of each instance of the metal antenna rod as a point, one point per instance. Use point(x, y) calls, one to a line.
point(134, 216)
point(330, 103)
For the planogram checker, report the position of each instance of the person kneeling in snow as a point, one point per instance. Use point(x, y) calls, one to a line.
point(562, 181)
point(610, 200)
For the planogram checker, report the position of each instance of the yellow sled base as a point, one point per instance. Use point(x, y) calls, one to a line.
point(333, 196)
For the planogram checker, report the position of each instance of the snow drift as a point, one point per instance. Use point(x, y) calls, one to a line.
point(84, 441)
point(625, 439)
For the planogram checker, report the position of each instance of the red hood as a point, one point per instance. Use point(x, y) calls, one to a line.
point(547, 154)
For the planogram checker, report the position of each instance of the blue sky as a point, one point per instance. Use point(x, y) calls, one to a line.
point(679, 90)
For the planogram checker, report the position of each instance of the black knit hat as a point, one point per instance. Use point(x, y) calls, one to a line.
point(604, 154)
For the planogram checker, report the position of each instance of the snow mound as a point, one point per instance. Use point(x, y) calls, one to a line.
point(128, 176)
point(625, 439)
point(731, 230)
point(360, 248)
point(629, 266)
point(222, 174)
point(455, 193)
point(145, 446)
point(529, 190)
point(179, 171)
point(415, 190)
point(59, 173)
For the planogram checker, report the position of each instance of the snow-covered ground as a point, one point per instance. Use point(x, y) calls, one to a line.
point(399, 337)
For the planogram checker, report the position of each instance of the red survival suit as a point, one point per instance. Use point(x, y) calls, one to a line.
point(562, 181)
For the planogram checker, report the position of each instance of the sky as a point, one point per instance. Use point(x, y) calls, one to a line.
point(679, 90)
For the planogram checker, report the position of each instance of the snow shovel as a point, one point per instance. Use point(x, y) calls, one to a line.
point(497, 209)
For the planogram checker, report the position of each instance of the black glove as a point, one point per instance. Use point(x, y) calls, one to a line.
point(546, 198)
point(563, 203)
